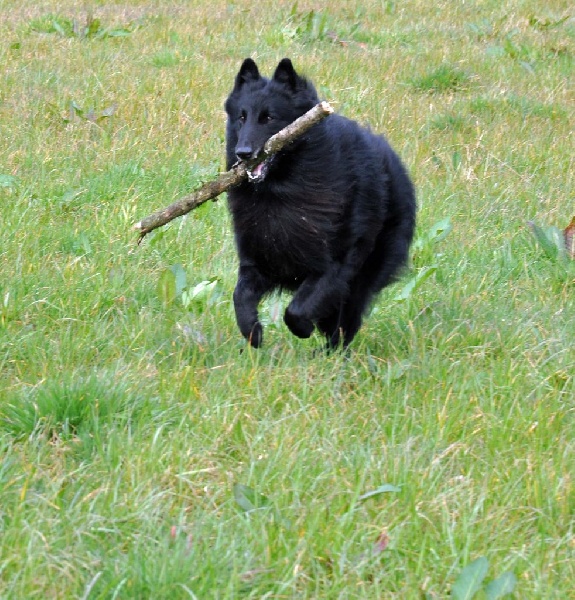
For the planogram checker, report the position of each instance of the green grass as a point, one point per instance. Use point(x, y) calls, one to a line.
point(146, 453)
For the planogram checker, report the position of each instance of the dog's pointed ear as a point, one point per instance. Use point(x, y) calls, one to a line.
point(248, 72)
point(285, 73)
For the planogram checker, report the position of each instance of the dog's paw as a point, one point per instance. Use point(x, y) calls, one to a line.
point(256, 335)
point(298, 325)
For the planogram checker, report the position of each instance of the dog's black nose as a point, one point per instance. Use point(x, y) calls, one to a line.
point(244, 152)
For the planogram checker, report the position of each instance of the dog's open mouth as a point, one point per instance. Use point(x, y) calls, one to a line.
point(258, 172)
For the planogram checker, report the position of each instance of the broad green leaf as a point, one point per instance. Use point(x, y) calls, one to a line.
point(248, 499)
point(435, 234)
point(121, 32)
point(200, 294)
point(157, 236)
point(203, 288)
point(382, 489)
point(7, 181)
point(546, 22)
point(551, 239)
point(555, 235)
point(440, 230)
point(59, 29)
point(527, 66)
point(82, 245)
point(167, 286)
point(470, 579)
point(69, 196)
point(180, 275)
point(503, 585)
point(108, 112)
point(93, 27)
point(415, 282)
point(75, 109)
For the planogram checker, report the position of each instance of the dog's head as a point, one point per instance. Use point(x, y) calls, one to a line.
point(258, 107)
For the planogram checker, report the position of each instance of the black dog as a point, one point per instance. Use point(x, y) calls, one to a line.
point(330, 218)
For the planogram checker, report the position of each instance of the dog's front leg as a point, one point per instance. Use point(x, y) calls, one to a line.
point(250, 289)
point(319, 296)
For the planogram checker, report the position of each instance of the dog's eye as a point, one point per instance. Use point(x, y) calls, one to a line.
point(242, 117)
point(265, 117)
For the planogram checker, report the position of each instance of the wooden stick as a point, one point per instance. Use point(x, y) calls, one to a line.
point(236, 174)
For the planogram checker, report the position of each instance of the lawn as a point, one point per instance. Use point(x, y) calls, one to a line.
point(146, 452)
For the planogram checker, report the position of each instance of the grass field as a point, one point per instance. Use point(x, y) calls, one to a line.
point(144, 455)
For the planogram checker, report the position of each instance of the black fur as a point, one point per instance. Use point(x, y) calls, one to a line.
point(330, 218)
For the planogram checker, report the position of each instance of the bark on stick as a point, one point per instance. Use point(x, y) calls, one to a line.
point(212, 189)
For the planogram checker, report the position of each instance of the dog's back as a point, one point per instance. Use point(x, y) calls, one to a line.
point(331, 217)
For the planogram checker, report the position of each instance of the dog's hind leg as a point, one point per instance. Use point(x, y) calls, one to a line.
point(353, 311)
point(341, 326)
point(329, 326)
point(380, 269)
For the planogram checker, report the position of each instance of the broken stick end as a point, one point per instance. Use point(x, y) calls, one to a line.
point(327, 107)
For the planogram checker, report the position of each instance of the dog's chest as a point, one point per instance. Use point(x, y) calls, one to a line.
point(285, 242)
